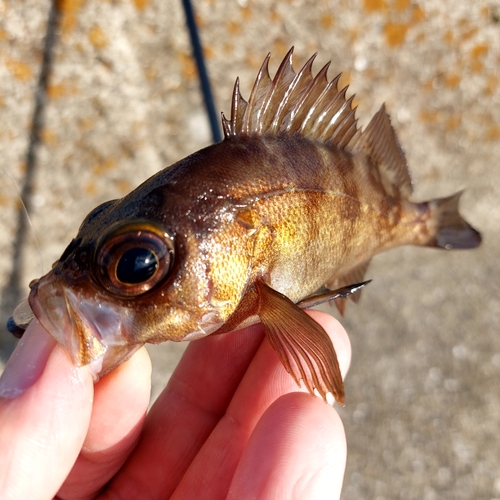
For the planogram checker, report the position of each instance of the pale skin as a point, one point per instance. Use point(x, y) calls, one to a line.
point(231, 423)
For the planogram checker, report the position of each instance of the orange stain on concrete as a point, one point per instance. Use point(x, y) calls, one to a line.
point(253, 61)
point(418, 14)
point(448, 37)
point(60, 90)
point(353, 33)
point(480, 50)
point(233, 27)
point(420, 37)
point(485, 12)
point(19, 70)
point(123, 186)
point(274, 17)
point(49, 137)
point(344, 80)
point(493, 133)
point(90, 188)
point(209, 52)
point(469, 33)
point(188, 67)
point(395, 33)
point(97, 37)
point(150, 73)
point(327, 21)
point(374, 5)
point(246, 13)
point(477, 55)
point(104, 166)
point(280, 48)
point(401, 5)
point(141, 4)
point(199, 21)
point(355, 102)
point(69, 10)
point(4, 200)
point(453, 122)
point(18, 204)
point(86, 123)
point(491, 84)
point(476, 66)
point(452, 80)
point(429, 115)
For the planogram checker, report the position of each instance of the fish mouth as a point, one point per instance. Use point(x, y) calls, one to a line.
point(92, 331)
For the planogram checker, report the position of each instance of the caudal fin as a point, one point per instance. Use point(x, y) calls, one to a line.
point(451, 231)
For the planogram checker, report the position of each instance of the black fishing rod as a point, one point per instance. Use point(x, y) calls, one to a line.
point(206, 90)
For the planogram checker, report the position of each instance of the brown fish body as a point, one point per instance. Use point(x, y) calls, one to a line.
point(294, 202)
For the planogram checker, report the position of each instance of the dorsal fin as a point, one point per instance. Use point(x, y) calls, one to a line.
point(294, 103)
point(380, 144)
point(311, 106)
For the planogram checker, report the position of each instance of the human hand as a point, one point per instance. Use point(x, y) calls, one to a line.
point(229, 424)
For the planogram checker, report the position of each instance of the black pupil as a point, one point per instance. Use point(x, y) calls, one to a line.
point(136, 265)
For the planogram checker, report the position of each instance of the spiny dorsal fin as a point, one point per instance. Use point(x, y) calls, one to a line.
point(294, 103)
point(380, 144)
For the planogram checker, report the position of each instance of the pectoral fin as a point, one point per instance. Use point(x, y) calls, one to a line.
point(303, 346)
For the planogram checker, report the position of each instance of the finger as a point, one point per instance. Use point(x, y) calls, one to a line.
point(120, 403)
point(305, 459)
point(339, 338)
point(45, 408)
point(265, 381)
point(185, 414)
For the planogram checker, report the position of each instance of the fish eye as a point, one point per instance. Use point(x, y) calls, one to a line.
point(134, 257)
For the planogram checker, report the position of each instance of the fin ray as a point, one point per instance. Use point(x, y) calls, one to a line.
point(303, 346)
point(294, 103)
point(250, 119)
point(379, 143)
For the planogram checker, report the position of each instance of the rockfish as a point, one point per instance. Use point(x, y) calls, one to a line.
point(284, 213)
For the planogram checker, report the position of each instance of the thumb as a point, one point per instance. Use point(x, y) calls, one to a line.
point(45, 408)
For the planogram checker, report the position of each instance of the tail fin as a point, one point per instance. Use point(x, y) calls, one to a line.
point(451, 231)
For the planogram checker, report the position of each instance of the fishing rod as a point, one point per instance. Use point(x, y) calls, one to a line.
point(206, 90)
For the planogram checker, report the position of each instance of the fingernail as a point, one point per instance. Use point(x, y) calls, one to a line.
point(27, 362)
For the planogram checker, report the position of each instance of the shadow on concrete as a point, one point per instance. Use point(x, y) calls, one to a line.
point(13, 292)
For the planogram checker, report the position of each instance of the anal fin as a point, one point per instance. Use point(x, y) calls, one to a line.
point(326, 295)
point(353, 275)
point(303, 346)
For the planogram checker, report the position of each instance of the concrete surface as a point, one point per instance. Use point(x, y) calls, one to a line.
point(122, 101)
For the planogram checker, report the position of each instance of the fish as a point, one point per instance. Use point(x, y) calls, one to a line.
point(284, 213)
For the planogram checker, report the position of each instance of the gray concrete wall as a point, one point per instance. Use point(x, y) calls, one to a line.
point(423, 393)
